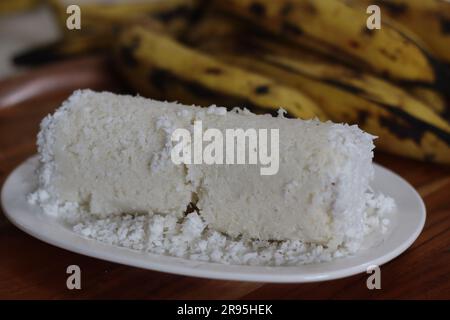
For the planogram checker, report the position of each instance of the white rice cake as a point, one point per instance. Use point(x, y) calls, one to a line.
point(110, 154)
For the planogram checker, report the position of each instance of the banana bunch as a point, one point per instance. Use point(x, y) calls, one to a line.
point(404, 124)
point(339, 26)
point(218, 33)
point(163, 68)
point(224, 73)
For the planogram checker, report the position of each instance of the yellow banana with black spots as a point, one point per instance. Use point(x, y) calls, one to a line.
point(428, 19)
point(432, 98)
point(238, 40)
point(364, 85)
point(150, 60)
point(386, 51)
point(404, 124)
point(101, 17)
point(217, 29)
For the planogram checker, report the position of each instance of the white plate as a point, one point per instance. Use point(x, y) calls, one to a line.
point(410, 218)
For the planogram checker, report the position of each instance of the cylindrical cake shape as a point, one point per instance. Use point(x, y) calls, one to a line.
point(109, 154)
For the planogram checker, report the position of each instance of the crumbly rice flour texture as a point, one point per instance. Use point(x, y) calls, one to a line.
point(106, 172)
point(190, 238)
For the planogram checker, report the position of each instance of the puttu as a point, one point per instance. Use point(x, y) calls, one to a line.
point(106, 155)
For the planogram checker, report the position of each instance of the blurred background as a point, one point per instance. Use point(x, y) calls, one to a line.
point(314, 58)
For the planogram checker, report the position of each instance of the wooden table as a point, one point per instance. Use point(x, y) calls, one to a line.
point(33, 269)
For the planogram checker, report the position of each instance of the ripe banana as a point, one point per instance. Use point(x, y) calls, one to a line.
point(434, 99)
point(242, 41)
point(216, 29)
point(367, 86)
point(429, 19)
point(152, 62)
point(404, 124)
point(386, 51)
point(101, 17)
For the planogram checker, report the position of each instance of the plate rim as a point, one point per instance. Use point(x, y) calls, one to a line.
point(233, 275)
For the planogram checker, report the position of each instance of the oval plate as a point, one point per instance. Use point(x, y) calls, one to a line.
point(409, 221)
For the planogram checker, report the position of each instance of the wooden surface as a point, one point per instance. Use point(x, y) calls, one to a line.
point(33, 269)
